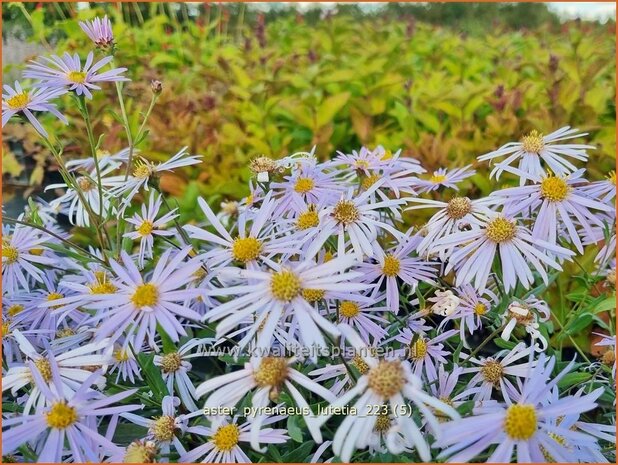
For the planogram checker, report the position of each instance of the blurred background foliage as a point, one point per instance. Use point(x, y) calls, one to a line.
point(444, 82)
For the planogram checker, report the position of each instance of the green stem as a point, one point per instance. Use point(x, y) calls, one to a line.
point(93, 149)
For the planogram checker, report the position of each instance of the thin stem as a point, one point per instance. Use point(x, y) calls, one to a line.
point(93, 149)
point(182, 232)
point(483, 344)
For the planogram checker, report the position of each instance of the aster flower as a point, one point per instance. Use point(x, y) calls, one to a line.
point(175, 367)
point(560, 203)
point(458, 214)
point(265, 377)
point(23, 250)
point(469, 309)
point(16, 100)
point(275, 294)
point(67, 72)
point(99, 30)
point(492, 373)
point(105, 160)
point(359, 218)
point(534, 148)
point(165, 429)
point(252, 243)
point(67, 416)
point(475, 251)
point(71, 367)
point(364, 317)
point(79, 206)
point(604, 190)
point(223, 440)
point(425, 353)
point(125, 364)
point(144, 170)
point(140, 303)
point(397, 265)
point(444, 178)
point(147, 226)
point(526, 313)
point(387, 382)
point(525, 427)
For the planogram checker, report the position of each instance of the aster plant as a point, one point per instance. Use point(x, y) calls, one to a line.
point(323, 317)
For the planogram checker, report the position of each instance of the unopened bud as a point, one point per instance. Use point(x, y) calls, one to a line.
point(156, 86)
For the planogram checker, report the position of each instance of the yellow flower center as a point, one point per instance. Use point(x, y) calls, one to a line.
point(360, 364)
point(77, 77)
point(38, 251)
point(500, 230)
point(304, 185)
point(285, 285)
point(361, 164)
point(145, 228)
point(246, 249)
point(480, 309)
point(520, 423)
point(262, 165)
point(349, 309)
point(609, 357)
point(171, 362)
point(163, 428)
point(345, 212)
point(6, 328)
point(308, 219)
point(437, 178)
point(458, 207)
point(121, 355)
point(492, 372)
point(10, 253)
point(54, 296)
point(313, 295)
point(15, 309)
point(533, 142)
point(391, 266)
point(85, 184)
point(328, 256)
point(61, 415)
point(554, 189)
point(65, 332)
point(370, 181)
point(19, 101)
point(226, 437)
point(387, 155)
point(418, 350)
point(611, 177)
point(44, 367)
point(140, 452)
point(383, 423)
point(386, 379)
point(271, 372)
point(142, 170)
point(145, 295)
point(104, 287)
point(440, 415)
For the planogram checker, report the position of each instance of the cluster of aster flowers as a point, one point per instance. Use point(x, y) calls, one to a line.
point(305, 319)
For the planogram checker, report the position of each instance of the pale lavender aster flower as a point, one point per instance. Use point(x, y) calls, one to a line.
point(397, 265)
point(475, 251)
point(265, 378)
point(604, 190)
point(147, 226)
point(175, 368)
point(17, 100)
point(534, 148)
point(67, 72)
point(423, 352)
point(444, 177)
point(364, 317)
point(559, 203)
point(525, 427)
point(105, 159)
point(99, 30)
point(387, 382)
point(491, 373)
point(140, 303)
point(223, 437)
point(360, 218)
point(21, 258)
point(277, 294)
point(68, 423)
point(125, 363)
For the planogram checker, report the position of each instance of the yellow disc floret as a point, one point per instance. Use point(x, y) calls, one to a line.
point(145, 295)
point(171, 362)
point(533, 142)
point(61, 415)
point(163, 428)
point(386, 379)
point(10, 254)
point(76, 76)
point(246, 249)
point(520, 422)
point(349, 309)
point(304, 185)
point(501, 230)
point(226, 437)
point(271, 372)
point(345, 212)
point(554, 189)
point(492, 372)
point(18, 101)
point(285, 285)
point(418, 349)
point(458, 207)
point(391, 266)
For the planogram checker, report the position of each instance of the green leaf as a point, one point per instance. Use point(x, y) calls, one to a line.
point(168, 345)
point(295, 432)
point(152, 376)
point(330, 107)
point(572, 379)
